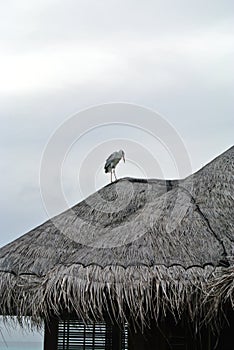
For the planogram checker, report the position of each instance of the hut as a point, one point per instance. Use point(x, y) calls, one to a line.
point(140, 264)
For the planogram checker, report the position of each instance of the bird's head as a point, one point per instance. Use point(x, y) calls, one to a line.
point(122, 154)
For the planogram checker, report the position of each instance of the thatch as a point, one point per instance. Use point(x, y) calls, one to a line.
point(142, 247)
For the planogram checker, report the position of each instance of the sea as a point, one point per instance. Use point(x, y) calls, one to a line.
point(21, 346)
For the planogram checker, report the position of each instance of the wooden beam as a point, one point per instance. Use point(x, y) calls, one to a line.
point(116, 337)
point(51, 334)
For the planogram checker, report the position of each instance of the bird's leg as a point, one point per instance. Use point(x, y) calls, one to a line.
point(114, 174)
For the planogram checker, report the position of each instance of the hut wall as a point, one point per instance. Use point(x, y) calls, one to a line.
point(169, 336)
point(225, 340)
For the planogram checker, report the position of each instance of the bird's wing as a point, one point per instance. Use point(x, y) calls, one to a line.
point(112, 157)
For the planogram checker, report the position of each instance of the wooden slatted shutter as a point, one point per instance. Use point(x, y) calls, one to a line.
point(75, 335)
point(178, 342)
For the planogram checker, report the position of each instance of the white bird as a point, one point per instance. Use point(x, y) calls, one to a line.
point(112, 161)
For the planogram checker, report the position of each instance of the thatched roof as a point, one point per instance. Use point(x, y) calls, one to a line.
point(141, 246)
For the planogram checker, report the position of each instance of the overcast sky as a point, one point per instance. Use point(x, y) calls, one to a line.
point(58, 58)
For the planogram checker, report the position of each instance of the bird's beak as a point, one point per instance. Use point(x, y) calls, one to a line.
point(124, 159)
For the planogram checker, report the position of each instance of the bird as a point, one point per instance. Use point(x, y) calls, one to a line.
point(112, 161)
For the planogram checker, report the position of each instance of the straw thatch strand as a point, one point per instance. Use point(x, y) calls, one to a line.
point(134, 250)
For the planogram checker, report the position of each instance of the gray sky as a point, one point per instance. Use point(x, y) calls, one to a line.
point(60, 57)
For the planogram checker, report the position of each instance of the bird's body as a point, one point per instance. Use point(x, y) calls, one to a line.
point(112, 161)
